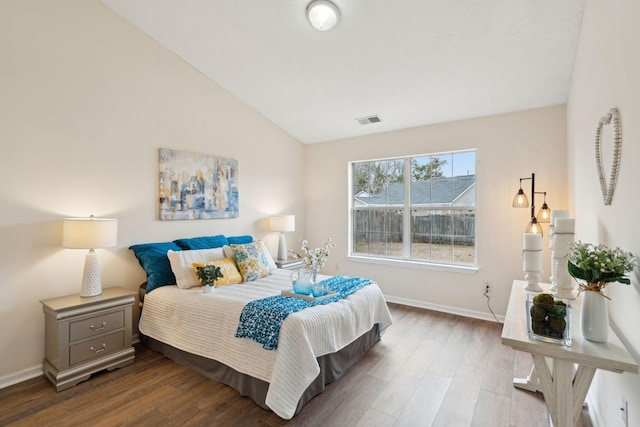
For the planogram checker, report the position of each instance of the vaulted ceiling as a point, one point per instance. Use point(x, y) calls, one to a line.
point(411, 62)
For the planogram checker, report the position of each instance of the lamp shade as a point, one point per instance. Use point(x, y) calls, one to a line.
point(520, 200)
point(544, 214)
point(534, 227)
point(89, 233)
point(322, 14)
point(283, 223)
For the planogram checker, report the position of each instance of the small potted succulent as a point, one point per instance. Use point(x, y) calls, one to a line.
point(208, 274)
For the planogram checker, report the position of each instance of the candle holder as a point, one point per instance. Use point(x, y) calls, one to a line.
point(563, 235)
point(553, 279)
point(532, 266)
point(555, 214)
point(533, 281)
point(564, 288)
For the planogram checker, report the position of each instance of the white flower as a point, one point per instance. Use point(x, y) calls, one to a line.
point(315, 258)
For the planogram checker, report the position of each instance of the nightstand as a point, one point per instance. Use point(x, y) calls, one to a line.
point(290, 263)
point(87, 335)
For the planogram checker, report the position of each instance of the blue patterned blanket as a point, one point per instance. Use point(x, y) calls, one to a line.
point(261, 319)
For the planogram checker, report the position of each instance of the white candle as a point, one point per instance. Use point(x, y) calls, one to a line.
point(561, 244)
point(555, 214)
point(532, 260)
point(565, 225)
point(558, 213)
point(532, 242)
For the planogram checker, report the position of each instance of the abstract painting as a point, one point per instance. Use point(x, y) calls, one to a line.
point(197, 186)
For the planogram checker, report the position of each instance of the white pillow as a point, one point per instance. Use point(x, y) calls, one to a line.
point(182, 264)
point(267, 254)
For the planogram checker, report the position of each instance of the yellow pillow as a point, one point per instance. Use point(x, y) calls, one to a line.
point(228, 268)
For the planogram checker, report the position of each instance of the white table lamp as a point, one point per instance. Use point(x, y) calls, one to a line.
point(90, 233)
point(282, 223)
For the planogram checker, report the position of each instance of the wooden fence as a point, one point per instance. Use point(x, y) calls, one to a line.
point(453, 227)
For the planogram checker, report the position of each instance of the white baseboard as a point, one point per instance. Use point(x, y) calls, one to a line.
point(18, 377)
point(443, 308)
point(594, 412)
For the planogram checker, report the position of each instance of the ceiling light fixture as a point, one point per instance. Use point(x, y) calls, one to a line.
point(323, 15)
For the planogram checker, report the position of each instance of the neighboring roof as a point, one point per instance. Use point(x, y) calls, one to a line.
point(442, 191)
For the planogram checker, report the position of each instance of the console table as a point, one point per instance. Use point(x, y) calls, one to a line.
point(564, 392)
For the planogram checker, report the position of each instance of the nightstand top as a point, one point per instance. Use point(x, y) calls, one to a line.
point(289, 262)
point(74, 301)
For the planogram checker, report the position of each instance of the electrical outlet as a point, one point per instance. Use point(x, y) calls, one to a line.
point(487, 287)
point(624, 408)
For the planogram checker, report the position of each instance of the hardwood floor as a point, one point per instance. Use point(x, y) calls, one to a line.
point(429, 369)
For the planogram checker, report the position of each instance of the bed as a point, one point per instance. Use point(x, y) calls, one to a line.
point(316, 345)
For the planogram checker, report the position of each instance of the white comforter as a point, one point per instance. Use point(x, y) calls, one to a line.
point(205, 324)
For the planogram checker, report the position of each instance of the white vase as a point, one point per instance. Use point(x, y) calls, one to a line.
point(594, 317)
point(207, 289)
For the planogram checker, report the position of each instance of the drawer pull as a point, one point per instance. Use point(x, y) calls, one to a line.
point(98, 350)
point(94, 329)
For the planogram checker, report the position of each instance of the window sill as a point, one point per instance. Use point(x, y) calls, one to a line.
point(466, 269)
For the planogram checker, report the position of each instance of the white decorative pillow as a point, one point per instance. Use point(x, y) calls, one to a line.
point(267, 255)
point(182, 264)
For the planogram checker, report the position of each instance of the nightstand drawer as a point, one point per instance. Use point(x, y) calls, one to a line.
point(96, 348)
point(96, 325)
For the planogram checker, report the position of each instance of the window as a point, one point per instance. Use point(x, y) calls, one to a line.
point(419, 208)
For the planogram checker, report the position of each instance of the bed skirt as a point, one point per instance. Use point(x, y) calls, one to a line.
point(332, 367)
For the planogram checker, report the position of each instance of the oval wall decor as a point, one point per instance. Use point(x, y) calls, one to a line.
point(607, 189)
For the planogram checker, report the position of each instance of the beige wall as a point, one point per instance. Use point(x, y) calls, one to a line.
point(508, 146)
point(606, 75)
point(86, 100)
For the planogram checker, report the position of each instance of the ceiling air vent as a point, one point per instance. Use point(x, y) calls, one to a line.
point(369, 119)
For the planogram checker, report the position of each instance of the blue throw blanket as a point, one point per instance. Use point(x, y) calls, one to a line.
point(261, 319)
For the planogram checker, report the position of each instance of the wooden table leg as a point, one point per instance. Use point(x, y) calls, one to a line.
point(531, 383)
point(563, 391)
point(581, 384)
point(563, 394)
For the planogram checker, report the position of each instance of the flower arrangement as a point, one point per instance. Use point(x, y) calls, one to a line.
point(314, 259)
point(599, 265)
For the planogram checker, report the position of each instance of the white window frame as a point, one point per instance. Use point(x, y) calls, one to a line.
point(405, 260)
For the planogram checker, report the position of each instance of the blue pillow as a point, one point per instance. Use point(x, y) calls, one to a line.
point(153, 259)
point(207, 242)
point(240, 240)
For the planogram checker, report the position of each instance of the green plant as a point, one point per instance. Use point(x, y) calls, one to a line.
point(599, 265)
point(208, 274)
